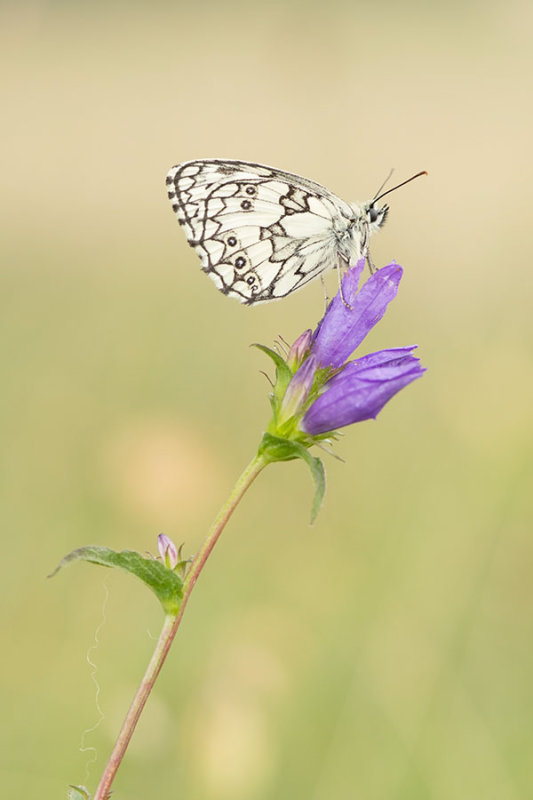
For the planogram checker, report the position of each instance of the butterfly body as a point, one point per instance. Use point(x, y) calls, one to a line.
point(262, 233)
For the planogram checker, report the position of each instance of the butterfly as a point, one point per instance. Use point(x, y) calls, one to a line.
point(262, 233)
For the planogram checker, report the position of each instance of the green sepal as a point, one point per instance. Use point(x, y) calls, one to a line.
point(275, 448)
point(164, 582)
point(78, 793)
point(283, 371)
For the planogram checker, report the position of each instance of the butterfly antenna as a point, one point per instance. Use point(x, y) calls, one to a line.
point(418, 174)
point(385, 182)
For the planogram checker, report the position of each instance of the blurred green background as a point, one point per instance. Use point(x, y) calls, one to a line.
point(387, 652)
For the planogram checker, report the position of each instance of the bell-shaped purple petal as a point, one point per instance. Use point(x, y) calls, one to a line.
point(361, 390)
point(349, 318)
point(388, 358)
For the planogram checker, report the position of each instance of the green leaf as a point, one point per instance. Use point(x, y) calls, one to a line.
point(318, 474)
point(165, 583)
point(275, 448)
point(78, 793)
point(283, 371)
point(278, 360)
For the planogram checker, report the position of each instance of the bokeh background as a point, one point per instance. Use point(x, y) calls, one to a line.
point(386, 652)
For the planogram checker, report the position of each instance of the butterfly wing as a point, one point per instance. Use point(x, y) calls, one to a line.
point(261, 233)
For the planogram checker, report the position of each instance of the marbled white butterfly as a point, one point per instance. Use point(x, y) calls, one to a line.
point(262, 233)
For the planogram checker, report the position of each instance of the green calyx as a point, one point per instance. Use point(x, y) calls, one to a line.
point(284, 440)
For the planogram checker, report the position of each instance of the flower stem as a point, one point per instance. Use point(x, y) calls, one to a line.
point(171, 625)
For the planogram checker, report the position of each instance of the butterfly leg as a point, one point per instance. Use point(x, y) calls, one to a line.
point(371, 265)
point(324, 287)
point(340, 277)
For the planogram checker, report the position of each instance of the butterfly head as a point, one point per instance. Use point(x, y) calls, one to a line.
point(375, 216)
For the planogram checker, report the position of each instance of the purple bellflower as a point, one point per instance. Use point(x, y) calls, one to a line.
point(363, 386)
point(325, 390)
point(318, 389)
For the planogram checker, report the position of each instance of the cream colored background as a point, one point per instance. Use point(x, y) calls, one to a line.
point(386, 652)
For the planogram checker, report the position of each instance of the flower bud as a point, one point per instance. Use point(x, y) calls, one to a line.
point(168, 551)
point(298, 390)
point(299, 349)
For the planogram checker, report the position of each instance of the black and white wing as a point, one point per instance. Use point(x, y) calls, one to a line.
point(260, 233)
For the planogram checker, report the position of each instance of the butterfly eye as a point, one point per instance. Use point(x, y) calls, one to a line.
point(373, 214)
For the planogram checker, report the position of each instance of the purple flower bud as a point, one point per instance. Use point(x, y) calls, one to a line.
point(349, 318)
point(298, 390)
point(299, 349)
point(361, 390)
point(168, 551)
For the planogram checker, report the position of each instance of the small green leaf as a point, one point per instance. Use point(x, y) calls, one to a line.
point(165, 583)
point(275, 448)
point(276, 358)
point(283, 372)
point(319, 476)
point(78, 793)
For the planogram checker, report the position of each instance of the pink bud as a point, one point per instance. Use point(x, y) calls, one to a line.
point(167, 551)
point(299, 349)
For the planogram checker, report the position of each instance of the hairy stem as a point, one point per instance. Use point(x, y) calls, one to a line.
point(171, 625)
